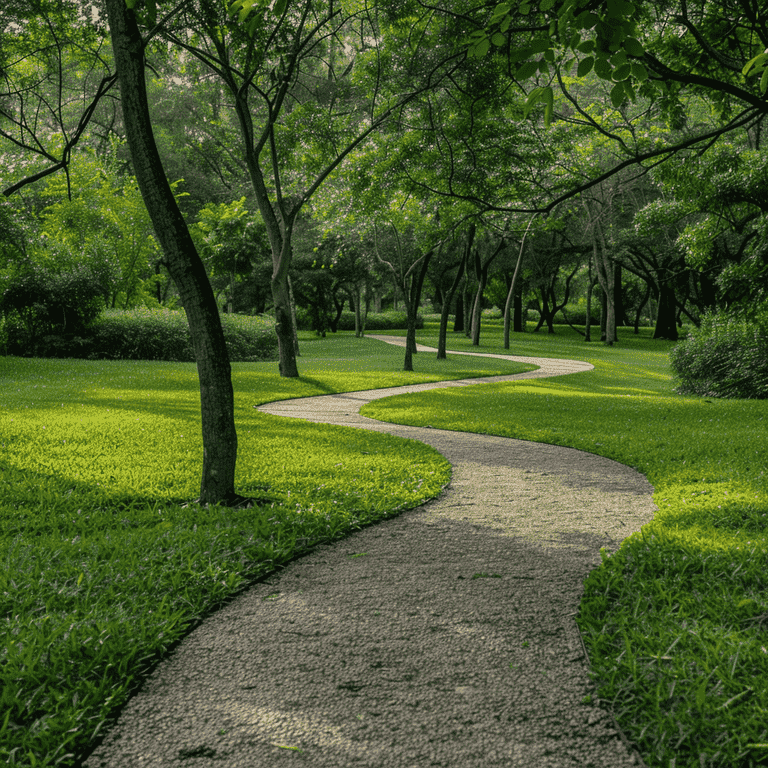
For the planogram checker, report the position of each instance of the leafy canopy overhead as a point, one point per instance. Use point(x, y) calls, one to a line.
point(720, 47)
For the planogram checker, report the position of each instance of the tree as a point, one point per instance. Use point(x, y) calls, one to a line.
point(183, 262)
point(306, 82)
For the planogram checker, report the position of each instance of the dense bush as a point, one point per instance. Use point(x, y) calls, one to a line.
point(726, 357)
point(39, 305)
point(161, 334)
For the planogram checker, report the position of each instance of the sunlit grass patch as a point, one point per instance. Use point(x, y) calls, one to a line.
point(676, 620)
point(102, 568)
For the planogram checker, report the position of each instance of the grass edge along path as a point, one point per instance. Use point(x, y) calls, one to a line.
point(675, 621)
point(103, 570)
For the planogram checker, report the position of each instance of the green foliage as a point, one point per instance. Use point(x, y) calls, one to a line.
point(674, 622)
point(727, 356)
point(39, 302)
point(162, 334)
point(375, 321)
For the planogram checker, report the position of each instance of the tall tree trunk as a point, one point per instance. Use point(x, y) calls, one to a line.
point(512, 293)
point(184, 264)
point(482, 282)
point(588, 318)
point(666, 325)
point(442, 340)
point(412, 301)
point(618, 295)
point(458, 323)
point(448, 298)
point(281, 295)
point(603, 265)
point(641, 306)
point(519, 325)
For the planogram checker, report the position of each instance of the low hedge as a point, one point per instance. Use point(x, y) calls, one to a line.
point(160, 334)
point(727, 356)
point(376, 321)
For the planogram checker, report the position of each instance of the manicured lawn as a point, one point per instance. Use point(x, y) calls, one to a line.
point(101, 567)
point(675, 622)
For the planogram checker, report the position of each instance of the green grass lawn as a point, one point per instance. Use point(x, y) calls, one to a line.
point(675, 622)
point(102, 569)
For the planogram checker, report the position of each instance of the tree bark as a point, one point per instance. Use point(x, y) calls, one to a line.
point(666, 325)
point(512, 293)
point(448, 297)
point(183, 263)
point(442, 340)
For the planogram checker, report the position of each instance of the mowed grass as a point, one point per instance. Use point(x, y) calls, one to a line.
point(676, 621)
point(102, 568)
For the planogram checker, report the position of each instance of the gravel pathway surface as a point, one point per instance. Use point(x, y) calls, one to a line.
point(443, 637)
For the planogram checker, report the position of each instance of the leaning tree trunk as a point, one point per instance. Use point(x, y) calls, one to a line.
point(183, 263)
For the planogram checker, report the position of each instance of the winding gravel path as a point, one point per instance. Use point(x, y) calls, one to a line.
point(442, 637)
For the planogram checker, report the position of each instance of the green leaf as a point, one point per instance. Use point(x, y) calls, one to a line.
point(764, 81)
point(502, 9)
point(539, 45)
point(586, 20)
point(758, 62)
point(280, 6)
point(481, 49)
point(617, 95)
point(130, 4)
point(639, 72)
point(526, 70)
point(603, 69)
point(633, 47)
point(585, 66)
point(618, 59)
point(622, 72)
point(524, 9)
point(586, 47)
point(701, 694)
point(499, 39)
point(546, 5)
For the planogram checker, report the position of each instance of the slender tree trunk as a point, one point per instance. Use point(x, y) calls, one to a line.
point(281, 296)
point(666, 325)
point(641, 306)
point(588, 319)
point(520, 322)
point(512, 293)
point(482, 282)
point(442, 341)
point(605, 276)
point(184, 264)
point(412, 301)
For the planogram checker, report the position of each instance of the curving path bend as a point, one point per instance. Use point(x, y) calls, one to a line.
point(445, 636)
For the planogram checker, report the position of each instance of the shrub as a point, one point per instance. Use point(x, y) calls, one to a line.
point(161, 334)
point(379, 321)
point(42, 307)
point(727, 356)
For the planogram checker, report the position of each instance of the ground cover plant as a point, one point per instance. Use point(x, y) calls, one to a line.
point(101, 567)
point(676, 620)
